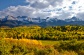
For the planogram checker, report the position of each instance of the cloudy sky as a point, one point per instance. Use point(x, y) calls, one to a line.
point(61, 9)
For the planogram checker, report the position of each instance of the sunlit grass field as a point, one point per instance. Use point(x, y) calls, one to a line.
point(50, 42)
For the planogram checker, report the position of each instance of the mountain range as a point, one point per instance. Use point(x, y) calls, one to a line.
point(12, 21)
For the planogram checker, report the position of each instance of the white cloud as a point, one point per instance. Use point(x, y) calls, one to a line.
point(61, 9)
point(80, 15)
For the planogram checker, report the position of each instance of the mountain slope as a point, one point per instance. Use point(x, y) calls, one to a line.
point(24, 20)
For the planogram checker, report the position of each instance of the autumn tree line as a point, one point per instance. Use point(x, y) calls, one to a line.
point(44, 33)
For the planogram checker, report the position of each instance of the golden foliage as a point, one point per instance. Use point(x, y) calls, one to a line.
point(23, 41)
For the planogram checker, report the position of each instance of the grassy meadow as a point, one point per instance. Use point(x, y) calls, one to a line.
point(35, 40)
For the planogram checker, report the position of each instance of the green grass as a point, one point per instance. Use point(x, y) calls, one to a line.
point(50, 42)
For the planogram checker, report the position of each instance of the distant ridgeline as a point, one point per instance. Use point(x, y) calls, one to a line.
point(12, 21)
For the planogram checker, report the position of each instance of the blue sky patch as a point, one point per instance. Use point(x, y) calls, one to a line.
point(6, 3)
